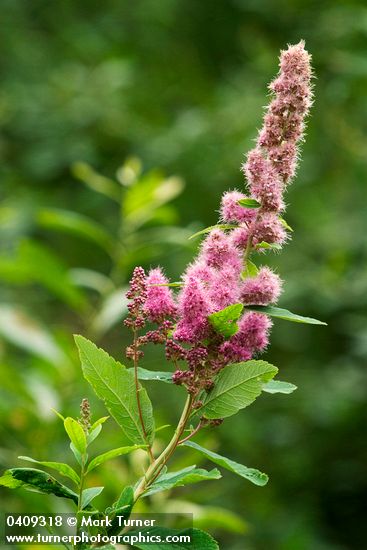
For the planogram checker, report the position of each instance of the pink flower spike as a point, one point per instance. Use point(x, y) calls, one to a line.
point(194, 307)
point(159, 302)
point(218, 251)
point(253, 332)
point(232, 212)
point(263, 289)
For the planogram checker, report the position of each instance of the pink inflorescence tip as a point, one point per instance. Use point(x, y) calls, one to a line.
point(232, 212)
point(263, 289)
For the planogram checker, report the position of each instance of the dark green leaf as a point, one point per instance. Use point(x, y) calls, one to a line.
point(225, 321)
point(251, 474)
point(285, 314)
point(36, 480)
point(183, 477)
point(160, 376)
point(277, 386)
point(249, 203)
point(63, 469)
point(236, 387)
point(115, 385)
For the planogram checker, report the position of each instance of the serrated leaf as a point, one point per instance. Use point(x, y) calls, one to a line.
point(285, 314)
point(89, 494)
point(225, 321)
point(199, 540)
point(36, 480)
point(161, 376)
point(76, 434)
point(271, 246)
point(236, 387)
point(277, 386)
point(249, 203)
point(209, 229)
point(100, 459)
point(63, 469)
point(115, 385)
point(251, 474)
point(188, 475)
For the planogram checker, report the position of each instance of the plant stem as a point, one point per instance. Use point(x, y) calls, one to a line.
point(156, 467)
point(137, 391)
point(191, 434)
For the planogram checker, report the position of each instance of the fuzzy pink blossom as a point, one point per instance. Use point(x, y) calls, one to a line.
point(218, 251)
point(269, 229)
point(253, 333)
point(263, 289)
point(232, 212)
point(159, 302)
point(193, 307)
point(224, 289)
point(234, 352)
point(239, 237)
point(265, 183)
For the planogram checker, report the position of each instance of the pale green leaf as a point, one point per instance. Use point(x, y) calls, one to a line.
point(251, 270)
point(277, 386)
point(89, 494)
point(225, 321)
point(76, 434)
point(236, 387)
point(85, 173)
point(63, 469)
point(251, 474)
point(115, 385)
point(285, 314)
point(249, 203)
point(98, 460)
point(270, 246)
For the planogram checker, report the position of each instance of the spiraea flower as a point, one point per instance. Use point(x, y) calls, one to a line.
point(159, 302)
point(219, 276)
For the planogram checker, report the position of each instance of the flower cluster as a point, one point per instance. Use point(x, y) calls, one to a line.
point(219, 277)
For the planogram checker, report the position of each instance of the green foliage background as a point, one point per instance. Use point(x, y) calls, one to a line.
point(180, 84)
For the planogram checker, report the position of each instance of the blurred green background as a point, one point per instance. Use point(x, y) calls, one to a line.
point(123, 122)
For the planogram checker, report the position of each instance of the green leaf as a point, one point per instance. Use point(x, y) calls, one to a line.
point(77, 224)
point(209, 229)
point(79, 458)
point(277, 386)
point(58, 414)
point(63, 469)
point(225, 321)
point(271, 246)
point(122, 507)
point(115, 385)
point(76, 434)
point(236, 387)
point(161, 376)
point(285, 314)
point(36, 480)
point(249, 203)
point(285, 224)
point(251, 474)
point(98, 460)
point(173, 285)
point(95, 429)
point(101, 420)
point(199, 540)
point(89, 494)
point(188, 475)
point(251, 270)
